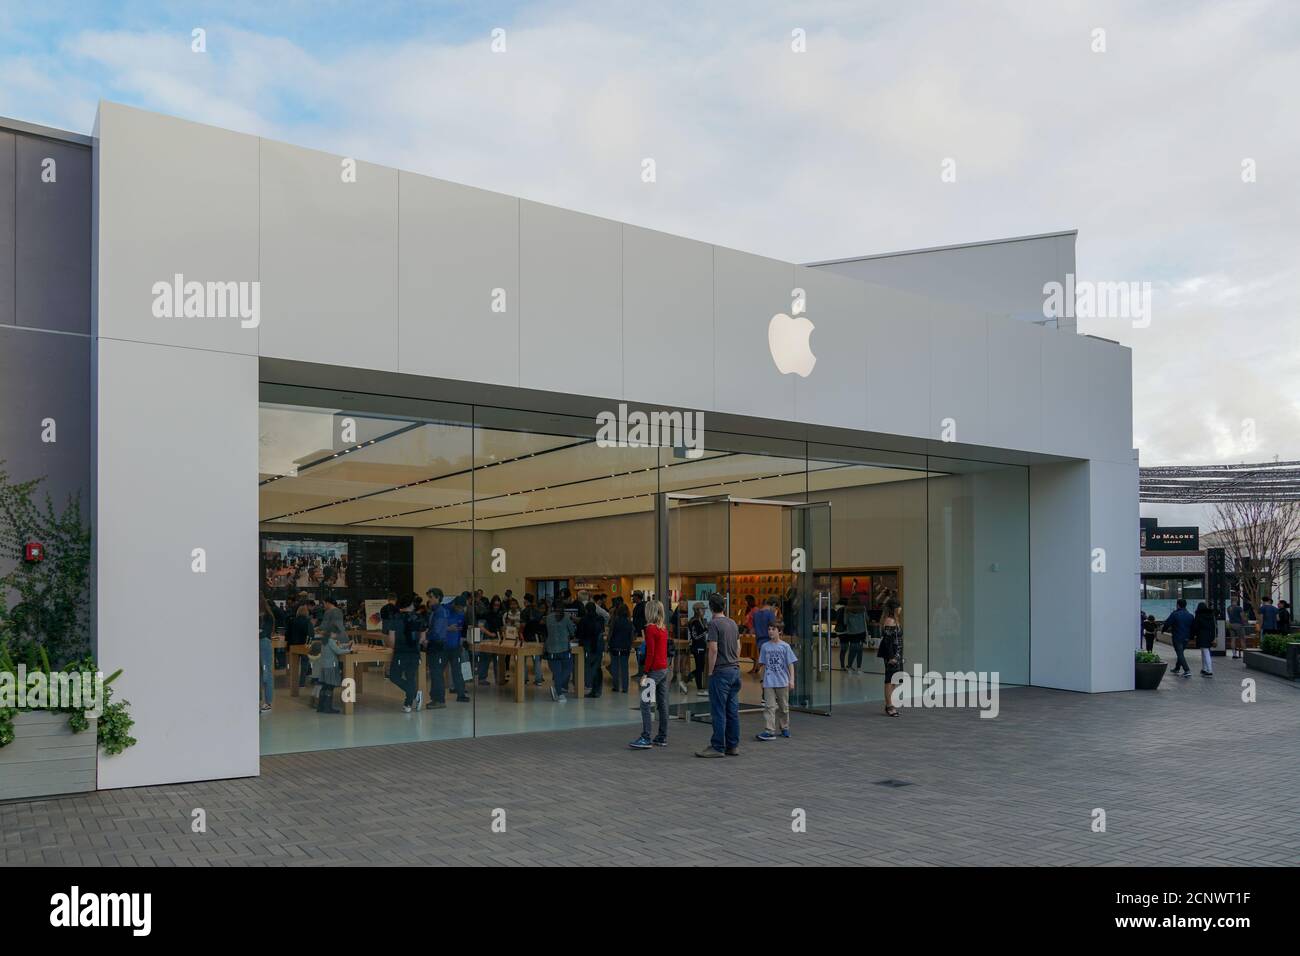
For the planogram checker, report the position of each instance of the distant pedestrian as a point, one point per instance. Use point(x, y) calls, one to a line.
point(1203, 627)
point(1267, 616)
point(1236, 627)
point(891, 652)
point(1179, 625)
point(1149, 628)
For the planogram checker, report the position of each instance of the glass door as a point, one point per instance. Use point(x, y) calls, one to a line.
point(809, 606)
point(694, 557)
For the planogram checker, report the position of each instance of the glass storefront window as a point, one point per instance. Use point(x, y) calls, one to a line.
point(509, 516)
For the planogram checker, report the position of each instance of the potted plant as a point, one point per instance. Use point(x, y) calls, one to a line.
point(1148, 671)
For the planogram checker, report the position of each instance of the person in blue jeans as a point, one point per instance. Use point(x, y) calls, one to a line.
point(724, 681)
point(1179, 625)
point(559, 632)
point(265, 631)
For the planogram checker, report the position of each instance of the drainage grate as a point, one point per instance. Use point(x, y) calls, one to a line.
point(893, 783)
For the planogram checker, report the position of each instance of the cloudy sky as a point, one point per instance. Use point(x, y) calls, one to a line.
point(828, 153)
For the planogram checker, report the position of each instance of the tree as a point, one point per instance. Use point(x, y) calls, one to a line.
point(43, 604)
point(1258, 534)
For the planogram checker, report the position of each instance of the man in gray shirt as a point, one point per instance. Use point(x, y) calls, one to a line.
point(724, 681)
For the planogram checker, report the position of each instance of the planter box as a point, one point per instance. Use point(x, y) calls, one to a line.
point(1148, 676)
point(47, 758)
point(1281, 666)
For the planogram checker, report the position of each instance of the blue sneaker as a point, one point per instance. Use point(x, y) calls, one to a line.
point(786, 732)
point(765, 736)
point(641, 743)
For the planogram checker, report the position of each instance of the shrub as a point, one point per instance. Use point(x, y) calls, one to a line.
point(1146, 657)
point(1275, 644)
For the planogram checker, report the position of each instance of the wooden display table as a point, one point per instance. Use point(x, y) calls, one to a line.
point(348, 663)
point(519, 653)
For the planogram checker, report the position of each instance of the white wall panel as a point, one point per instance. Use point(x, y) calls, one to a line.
point(182, 198)
point(1113, 504)
point(836, 391)
point(329, 259)
point(1060, 602)
point(898, 363)
point(177, 466)
point(1015, 353)
point(748, 291)
point(958, 374)
point(458, 245)
point(667, 319)
point(571, 302)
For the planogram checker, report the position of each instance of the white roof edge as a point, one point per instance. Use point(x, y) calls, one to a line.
point(49, 132)
point(956, 245)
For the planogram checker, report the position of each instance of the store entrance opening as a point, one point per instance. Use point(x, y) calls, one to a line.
point(759, 554)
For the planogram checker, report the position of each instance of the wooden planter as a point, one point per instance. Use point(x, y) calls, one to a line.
point(47, 758)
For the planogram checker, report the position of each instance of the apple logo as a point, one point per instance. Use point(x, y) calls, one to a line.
point(787, 340)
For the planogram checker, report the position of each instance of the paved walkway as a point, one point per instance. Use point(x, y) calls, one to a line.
point(1187, 775)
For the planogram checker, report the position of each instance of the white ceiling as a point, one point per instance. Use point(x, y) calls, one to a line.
point(413, 475)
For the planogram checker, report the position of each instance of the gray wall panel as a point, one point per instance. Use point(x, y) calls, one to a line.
point(53, 236)
point(6, 228)
point(46, 376)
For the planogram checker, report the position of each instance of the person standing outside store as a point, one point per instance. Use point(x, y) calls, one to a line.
point(1179, 626)
point(559, 631)
point(891, 652)
point(1267, 615)
point(724, 681)
point(654, 685)
point(1203, 627)
point(778, 660)
point(1236, 627)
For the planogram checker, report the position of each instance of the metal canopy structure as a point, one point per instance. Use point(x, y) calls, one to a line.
point(1206, 484)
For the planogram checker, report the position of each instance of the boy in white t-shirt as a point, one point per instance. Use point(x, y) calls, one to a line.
point(777, 658)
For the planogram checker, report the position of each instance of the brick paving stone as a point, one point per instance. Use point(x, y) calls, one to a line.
point(1016, 790)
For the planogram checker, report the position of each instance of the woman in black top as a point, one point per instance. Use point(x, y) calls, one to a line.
point(591, 635)
point(300, 631)
point(1204, 630)
point(620, 646)
point(698, 632)
point(490, 622)
point(891, 652)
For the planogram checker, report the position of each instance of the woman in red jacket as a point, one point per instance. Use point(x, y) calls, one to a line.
point(654, 685)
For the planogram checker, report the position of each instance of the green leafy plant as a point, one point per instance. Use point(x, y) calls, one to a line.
point(113, 730)
point(1275, 644)
point(1147, 657)
point(52, 611)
